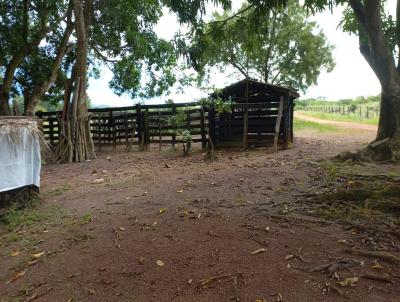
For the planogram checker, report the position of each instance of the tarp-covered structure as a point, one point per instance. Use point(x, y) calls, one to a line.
point(20, 160)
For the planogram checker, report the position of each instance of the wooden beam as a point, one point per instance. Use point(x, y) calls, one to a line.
point(278, 123)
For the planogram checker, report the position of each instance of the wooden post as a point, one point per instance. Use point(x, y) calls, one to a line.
point(286, 123)
point(291, 121)
point(174, 129)
point(278, 123)
point(146, 129)
point(139, 124)
point(202, 128)
point(246, 118)
point(159, 131)
point(245, 127)
point(211, 125)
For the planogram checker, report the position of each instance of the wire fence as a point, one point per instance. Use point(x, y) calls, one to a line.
point(362, 112)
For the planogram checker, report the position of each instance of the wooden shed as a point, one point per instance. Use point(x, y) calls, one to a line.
point(261, 115)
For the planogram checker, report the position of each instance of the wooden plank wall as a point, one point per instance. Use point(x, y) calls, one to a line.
point(151, 124)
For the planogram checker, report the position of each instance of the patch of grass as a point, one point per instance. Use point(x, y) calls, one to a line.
point(26, 217)
point(60, 190)
point(333, 169)
point(85, 219)
point(300, 124)
point(342, 118)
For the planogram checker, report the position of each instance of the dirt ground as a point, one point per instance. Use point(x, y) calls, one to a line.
point(156, 226)
point(340, 124)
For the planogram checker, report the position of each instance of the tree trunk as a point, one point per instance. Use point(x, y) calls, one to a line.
point(376, 51)
point(76, 142)
point(387, 143)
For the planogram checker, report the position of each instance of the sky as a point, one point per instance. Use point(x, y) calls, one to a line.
point(350, 78)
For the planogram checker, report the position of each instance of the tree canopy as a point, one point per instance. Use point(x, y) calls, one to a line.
point(282, 48)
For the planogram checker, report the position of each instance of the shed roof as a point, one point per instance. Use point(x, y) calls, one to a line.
point(255, 87)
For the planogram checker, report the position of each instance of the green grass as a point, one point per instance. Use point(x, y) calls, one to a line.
point(341, 118)
point(300, 124)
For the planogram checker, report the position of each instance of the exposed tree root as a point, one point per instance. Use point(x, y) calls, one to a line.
point(376, 278)
point(333, 267)
point(384, 256)
point(384, 150)
point(375, 229)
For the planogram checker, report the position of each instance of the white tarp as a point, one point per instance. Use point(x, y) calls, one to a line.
point(20, 160)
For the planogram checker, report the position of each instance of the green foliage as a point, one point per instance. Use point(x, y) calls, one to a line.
point(372, 101)
point(220, 105)
point(186, 136)
point(282, 48)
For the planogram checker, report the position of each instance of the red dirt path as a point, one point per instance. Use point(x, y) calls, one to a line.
point(104, 240)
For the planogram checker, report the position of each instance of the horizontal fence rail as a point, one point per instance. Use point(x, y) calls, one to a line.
point(163, 124)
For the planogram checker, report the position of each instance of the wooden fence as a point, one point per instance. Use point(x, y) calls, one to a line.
point(251, 124)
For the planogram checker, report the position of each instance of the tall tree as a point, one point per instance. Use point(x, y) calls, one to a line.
point(282, 48)
point(23, 26)
point(379, 43)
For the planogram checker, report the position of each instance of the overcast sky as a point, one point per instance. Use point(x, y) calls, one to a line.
point(351, 77)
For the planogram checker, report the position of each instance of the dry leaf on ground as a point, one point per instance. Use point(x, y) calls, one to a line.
point(14, 253)
point(160, 263)
point(37, 255)
point(262, 250)
point(17, 276)
point(349, 281)
point(98, 181)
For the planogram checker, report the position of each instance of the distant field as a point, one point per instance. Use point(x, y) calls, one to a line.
point(300, 124)
point(342, 118)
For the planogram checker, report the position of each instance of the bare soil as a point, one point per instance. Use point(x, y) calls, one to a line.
point(156, 226)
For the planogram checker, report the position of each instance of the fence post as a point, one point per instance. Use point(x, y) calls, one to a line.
point(245, 126)
point(278, 123)
point(211, 124)
point(174, 130)
point(146, 129)
point(202, 128)
point(139, 124)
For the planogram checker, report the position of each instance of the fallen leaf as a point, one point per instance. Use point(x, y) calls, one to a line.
point(17, 276)
point(98, 181)
point(179, 191)
point(14, 253)
point(262, 250)
point(160, 263)
point(122, 228)
point(167, 166)
point(162, 210)
point(349, 281)
point(288, 257)
point(37, 255)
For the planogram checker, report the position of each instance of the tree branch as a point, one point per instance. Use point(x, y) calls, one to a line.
point(240, 68)
point(234, 15)
point(359, 11)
